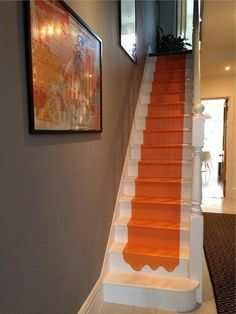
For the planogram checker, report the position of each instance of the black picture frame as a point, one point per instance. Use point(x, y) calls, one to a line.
point(64, 62)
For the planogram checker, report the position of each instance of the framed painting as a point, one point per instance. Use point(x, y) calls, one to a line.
point(64, 70)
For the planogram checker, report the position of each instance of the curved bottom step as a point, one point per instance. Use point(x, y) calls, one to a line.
point(150, 291)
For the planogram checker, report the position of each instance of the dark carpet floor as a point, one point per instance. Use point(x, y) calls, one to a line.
point(219, 247)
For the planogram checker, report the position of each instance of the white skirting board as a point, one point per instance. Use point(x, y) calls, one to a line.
point(94, 301)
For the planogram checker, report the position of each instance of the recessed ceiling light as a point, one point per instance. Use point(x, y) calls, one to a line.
point(227, 68)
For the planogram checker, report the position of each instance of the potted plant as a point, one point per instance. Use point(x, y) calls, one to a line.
point(170, 43)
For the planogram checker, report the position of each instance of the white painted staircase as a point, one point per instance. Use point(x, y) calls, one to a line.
point(180, 289)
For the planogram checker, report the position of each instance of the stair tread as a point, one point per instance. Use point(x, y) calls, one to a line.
point(170, 83)
point(154, 200)
point(146, 251)
point(138, 279)
point(157, 180)
point(176, 116)
point(153, 224)
point(145, 199)
point(167, 67)
point(159, 70)
point(165, 130)
point(168, 93)
point(179, 103)
point(180, 92)
point(162, 145)
point(160, 161)
point(181, 68)
point(118, 247)
point(167, 80)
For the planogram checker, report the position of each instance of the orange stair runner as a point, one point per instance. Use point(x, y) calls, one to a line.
point(154, 228)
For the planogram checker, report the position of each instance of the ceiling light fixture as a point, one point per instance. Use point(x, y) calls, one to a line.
point(227, 68)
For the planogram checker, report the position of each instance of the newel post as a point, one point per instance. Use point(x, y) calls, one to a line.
point(197, 142)
point(196, 223)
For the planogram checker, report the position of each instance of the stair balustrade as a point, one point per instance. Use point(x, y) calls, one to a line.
point(198, 117)
point(196, 230)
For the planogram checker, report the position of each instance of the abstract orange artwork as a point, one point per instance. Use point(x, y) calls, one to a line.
point(64, 58)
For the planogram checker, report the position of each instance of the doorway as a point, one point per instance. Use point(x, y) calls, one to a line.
point(214, 153)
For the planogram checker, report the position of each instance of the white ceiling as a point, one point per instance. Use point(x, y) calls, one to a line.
point(218, 37)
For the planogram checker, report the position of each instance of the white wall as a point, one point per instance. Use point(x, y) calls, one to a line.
point(219, 87)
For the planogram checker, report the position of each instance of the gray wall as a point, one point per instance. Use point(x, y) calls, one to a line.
point(167, 16)
point(57, 192)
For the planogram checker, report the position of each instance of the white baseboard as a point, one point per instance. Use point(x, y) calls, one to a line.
point(94, 301)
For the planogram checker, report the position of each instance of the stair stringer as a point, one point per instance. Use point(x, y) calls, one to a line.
point(182, 299)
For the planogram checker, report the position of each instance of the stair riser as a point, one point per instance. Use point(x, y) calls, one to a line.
point(171, 88)
point(164, 211)
point(118, 264)
point(153, 238)
point(142, 110)
point(153, 153)
point(173, 59)
point(158, 88)
point(145, 98)
point(172, 98)
point(162, 190)
point(154, 123)
point(148, 297)
point(174, 123)
point(129, 188)
point(158, 99)
point(168, 190)
point(173, 66)
point(125, 208)
point(160, 138)
point(159, 170)
point(146, 87)
point(149, 72)
point(157, 138)
point(150, 67)
point(169, 76)
point(169, 110)
point(148, 76)
point(140, 123)
point(121, 235)
point(158, 189)
point(172, 76)
point(176, 68)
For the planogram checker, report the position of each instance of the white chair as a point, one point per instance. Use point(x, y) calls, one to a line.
point(206, 160)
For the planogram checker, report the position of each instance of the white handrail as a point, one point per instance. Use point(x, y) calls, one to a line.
point(198, 118)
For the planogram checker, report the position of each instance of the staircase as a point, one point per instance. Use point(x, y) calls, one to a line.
point(148, 257)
